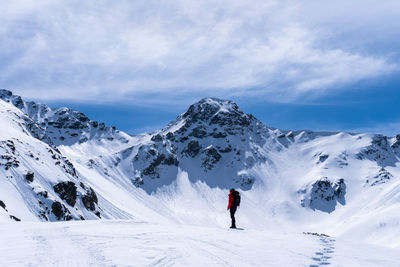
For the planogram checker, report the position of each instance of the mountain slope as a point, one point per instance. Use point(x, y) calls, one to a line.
point(342, 184)
point(37, 181)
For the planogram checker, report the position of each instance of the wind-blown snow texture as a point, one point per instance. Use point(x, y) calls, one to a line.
point(58, 165)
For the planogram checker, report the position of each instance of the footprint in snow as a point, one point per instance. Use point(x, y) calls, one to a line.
point(324, 254)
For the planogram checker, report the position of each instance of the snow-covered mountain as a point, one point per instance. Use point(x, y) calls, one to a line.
point(337, 183)
point(64, 126)
point(36, 179)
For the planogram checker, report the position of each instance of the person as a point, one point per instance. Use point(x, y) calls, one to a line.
point(234, 202)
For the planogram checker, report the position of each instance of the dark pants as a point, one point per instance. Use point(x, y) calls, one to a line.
point(232, 210)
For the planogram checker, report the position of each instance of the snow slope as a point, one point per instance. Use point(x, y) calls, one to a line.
point(37, 181)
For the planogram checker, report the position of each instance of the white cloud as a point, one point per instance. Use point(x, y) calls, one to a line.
point(389, 129)
point(119, 50)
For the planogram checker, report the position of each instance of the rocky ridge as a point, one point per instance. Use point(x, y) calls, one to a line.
point(62, 126)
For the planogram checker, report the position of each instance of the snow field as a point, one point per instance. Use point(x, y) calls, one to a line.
point(129, 243)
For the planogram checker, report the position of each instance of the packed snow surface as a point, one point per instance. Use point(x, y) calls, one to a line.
point(129, 243)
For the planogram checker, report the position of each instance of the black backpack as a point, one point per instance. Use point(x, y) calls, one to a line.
point(236, 198)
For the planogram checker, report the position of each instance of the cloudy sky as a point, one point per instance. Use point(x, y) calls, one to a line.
point(136, 64)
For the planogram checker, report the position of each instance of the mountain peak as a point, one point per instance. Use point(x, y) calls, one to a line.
point(207, 107)
point(216, 111)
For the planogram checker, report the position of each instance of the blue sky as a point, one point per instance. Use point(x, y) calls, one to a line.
point(138, 64)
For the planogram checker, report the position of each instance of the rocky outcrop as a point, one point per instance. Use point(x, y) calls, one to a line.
point(210, 158)
point(8, 155)
point(67, 192)
point(383, 176)
point(192, 149)
point(29, 177)
point(15, 218)
point(90, 199)
point(324, 194)
point(3, 205)
point(379, 151)
point(60, 211)
point(321, 157)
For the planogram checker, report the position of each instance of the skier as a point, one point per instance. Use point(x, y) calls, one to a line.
point(234, 203)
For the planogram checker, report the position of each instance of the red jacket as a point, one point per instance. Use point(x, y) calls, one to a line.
point(230, 199)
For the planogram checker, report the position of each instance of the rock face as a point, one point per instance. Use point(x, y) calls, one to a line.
point(29, 176)
point(192, 149)
point(70, 193)
point(3, 205)
point(210, 158)
point(324, 195)
point(90, 199)
point(66, 191)
point(60, 211)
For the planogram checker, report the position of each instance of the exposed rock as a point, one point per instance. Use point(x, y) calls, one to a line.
point(322, 158)
point(67, 191)
point(3, 205)
point(137, 181)
point(199, 132)
point(290, 135)
point(29, 177)
point(90, 199)
point(219, 134)
point(216, 112)
point(379, 151)
point(192, 149)
point(11, 161)
point(60, 211)
point(15, 218)
point(203, 110)
point(325, 194)
point(44, 194)
point(151, 169)
point(156, 138)
point(183, 139)
point(382, 177)
point(211, 157)
point(171, 160)
point(170, 136)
